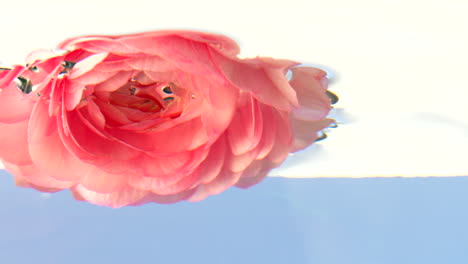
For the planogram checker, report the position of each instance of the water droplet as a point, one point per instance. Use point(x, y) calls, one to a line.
point(333, 97)
point(68, 64)
point(167, 89)
point(24, 84)
point(321, 136)
point(169, 99)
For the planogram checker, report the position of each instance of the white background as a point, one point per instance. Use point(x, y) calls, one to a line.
point(400, 66)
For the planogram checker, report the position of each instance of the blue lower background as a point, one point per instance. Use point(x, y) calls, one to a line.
point(397, 220)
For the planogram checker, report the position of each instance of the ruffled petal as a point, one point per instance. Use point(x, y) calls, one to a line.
point(306, 132)
point(100, 43)
point(165, 199)
point(221, 43)
point(246, 128)
point(47, 150)
point(150, 63)
point(76, 87)
point(310, 85)
point(87, 65)
point(220, 103)
point(188, 56)
point(256, 172)
point(260, 79)
point(97, 44)
point(31, 176)
point(180, 138)
point(14, 143)
point(283, 140)
point(268, 137)
point(101, 181)
point(41, 55)
point(96, 147)
point(114, 82)
point(18, 104)
point(118, 199)
point(221, 183)
point(239, 163)
point(7, 76)
point(203, 166)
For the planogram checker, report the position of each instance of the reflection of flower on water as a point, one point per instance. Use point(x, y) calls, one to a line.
point(154, 117)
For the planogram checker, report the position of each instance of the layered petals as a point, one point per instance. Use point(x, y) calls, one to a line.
point(161, 117)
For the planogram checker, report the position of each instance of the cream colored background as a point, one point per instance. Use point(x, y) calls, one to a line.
point(400, 65)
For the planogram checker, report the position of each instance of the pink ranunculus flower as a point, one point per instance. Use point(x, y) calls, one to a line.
point(159, 117)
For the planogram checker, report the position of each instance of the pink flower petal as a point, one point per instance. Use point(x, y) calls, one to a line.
point(252, 176)
point(256, 172)
point(96, 44)
point(309, 85)
point(257, 78)
point(90, 146)
point(47, 150)
point(222, 43)
point(188, 56)
point(150, 63)
point(221, 183)
point(221, 102)
point(41, 55)
point(14, 143)
point(8, 76)
point(75, 87)
point(118, 199)
point(98, 180)
point(95, 116)
point(99, 43)
point(112, 113)
point(180, 138)
point(214, 162)
point(269, 133)
point(87, 64)
point(178, 175)
point(30, 176)
point(19, 105)
point(238, 163)
point(114, 82)
point(305, 132)
point(283, 140)
point(245, 131)
point(165, 199)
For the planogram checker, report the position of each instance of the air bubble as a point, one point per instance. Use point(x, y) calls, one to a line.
point(169, 99)
point(167, 90)
point(333, 97)
point(321, 136)
point(24, 84)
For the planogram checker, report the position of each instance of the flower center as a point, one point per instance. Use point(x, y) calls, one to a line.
point(148, 98)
